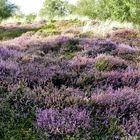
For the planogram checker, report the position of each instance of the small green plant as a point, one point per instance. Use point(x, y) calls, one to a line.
point(49, 27)
point(103, 65)
point(69, 54)
point(30, 18)
point(46, 33)
point(106, 132)
point(71, 46)
point(108, 63)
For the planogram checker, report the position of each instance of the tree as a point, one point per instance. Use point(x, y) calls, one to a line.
point(54, 8)
point(86, 8)
point(7, 9)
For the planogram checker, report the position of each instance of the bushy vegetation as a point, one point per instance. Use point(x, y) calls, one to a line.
point(108, 63)
point(54, 8)
point(122, 10)
point(71, 79)
point(6, 9)
point(66, 86)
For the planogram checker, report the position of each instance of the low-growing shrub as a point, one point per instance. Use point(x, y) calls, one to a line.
point(108, 63)
point(17, 116)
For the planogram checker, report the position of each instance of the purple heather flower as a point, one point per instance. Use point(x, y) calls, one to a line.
point(67, 120)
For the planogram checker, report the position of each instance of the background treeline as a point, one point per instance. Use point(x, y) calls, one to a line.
point(116, 10)
point(120, 10)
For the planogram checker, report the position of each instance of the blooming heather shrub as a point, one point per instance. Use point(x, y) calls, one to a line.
point(86, 79)
point(67, 120)
point(116, 79)
point(65, 43)
point(124, 104)
point(124, 33)
point(108, 63)
point(61, 98)
point(79, 62)
point(61, 75)
point(33, 74)
point(107, 46)
point(131, 77)
point(96, 46)
point(6, 53)
point(17, 114)
point(8, 69)
point(17, 43)
point(124, 49)
point(127, 52)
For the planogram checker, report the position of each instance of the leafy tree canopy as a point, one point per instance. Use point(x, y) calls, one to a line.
point(54, 8)
point(7, 9)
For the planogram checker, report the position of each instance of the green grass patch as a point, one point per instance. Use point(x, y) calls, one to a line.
point(49, 26)
point(14, 33)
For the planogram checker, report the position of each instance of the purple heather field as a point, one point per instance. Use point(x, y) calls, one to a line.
point(60, 83)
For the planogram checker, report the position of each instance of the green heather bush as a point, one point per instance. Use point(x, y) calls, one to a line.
point(103, 65)
point(71, 45)
point(71, 49)
point(50, 26)
point(105, 132)
point(108, 63)
point(44, 33)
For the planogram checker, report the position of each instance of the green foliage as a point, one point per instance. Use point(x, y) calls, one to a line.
point(50, 27)
point(45, 33)
point(71, 46)
point(108, 63)
point(86, 8)
point(6, 9)
point(105, 132)
point(17, 116)
point(69, 55)
point(103, 65)
point(13, 33)
point(31, 17)
point(122, 10)
point(54, 8)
